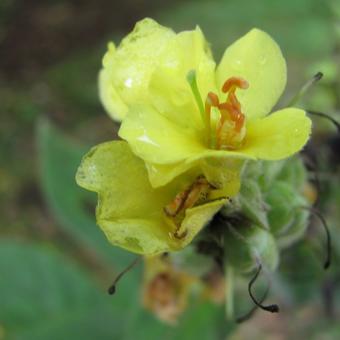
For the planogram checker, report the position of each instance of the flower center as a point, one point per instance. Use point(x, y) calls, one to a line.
point(230, 127)
point(197, 193)
point(229, 131)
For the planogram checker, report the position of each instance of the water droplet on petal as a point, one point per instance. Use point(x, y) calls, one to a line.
point(128, 82)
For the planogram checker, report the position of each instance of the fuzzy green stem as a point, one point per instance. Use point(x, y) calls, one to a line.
point(229, 303)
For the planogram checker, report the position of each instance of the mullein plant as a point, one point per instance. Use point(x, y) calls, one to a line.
point(206, 183)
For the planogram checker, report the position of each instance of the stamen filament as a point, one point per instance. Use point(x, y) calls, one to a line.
point(230, 128)
point(211, 101)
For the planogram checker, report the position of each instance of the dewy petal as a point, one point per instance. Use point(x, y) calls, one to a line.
point(278, 135)
point(156, 139)
point(161, 174)
point(130, 211)
point(223, 172)
point(170, 150)
point(169, 89)
point(197, 217)
point(258, 59)
point(127, 69)
point(274, 137)
point(110, 98)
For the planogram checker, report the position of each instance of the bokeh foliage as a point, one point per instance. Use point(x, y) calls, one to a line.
point(55, 264)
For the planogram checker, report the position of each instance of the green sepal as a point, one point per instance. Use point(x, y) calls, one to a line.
point(246, 244)
point(296, 230)
point(282, 200)
point(294, 173)
point(252, 203)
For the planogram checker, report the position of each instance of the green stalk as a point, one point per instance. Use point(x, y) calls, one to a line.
point(304, 89)
point(229, 298)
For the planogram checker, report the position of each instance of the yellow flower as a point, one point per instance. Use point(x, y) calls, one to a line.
point(181, 111)
point(137, 217)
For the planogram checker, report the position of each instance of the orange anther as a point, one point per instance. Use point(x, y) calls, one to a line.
point(239, 121)
point(212, 99)
point(225, 109)
point(173, 208)
point(229, 127)
point(234, 113)
point(225, 106)
point(234, 82)
point(234, 101)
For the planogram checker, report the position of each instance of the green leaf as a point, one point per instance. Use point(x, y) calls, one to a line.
point(42, 296)
point(283, 201)
point(202, 320)
point(73, 207)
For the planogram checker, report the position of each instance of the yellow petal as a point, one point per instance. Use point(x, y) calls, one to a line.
point(257, 58)
point(274, 137)
point(196, 218)
point(222, 172)
point(161, 174)
point(156, 139)
point(169, 88)
point(129, 210)
point(126, 70)
point(110, 98)
point(170, 150)
point(137, 235)
point(278, 135)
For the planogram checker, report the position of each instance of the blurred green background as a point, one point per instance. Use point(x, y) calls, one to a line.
point(55, 264)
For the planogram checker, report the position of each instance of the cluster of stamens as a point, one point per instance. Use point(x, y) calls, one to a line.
point(230, 128)
point(197, 193)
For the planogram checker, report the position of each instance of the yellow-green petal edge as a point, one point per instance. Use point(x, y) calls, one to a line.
point(129, 210)
point(257, 58)
point(126, 71)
